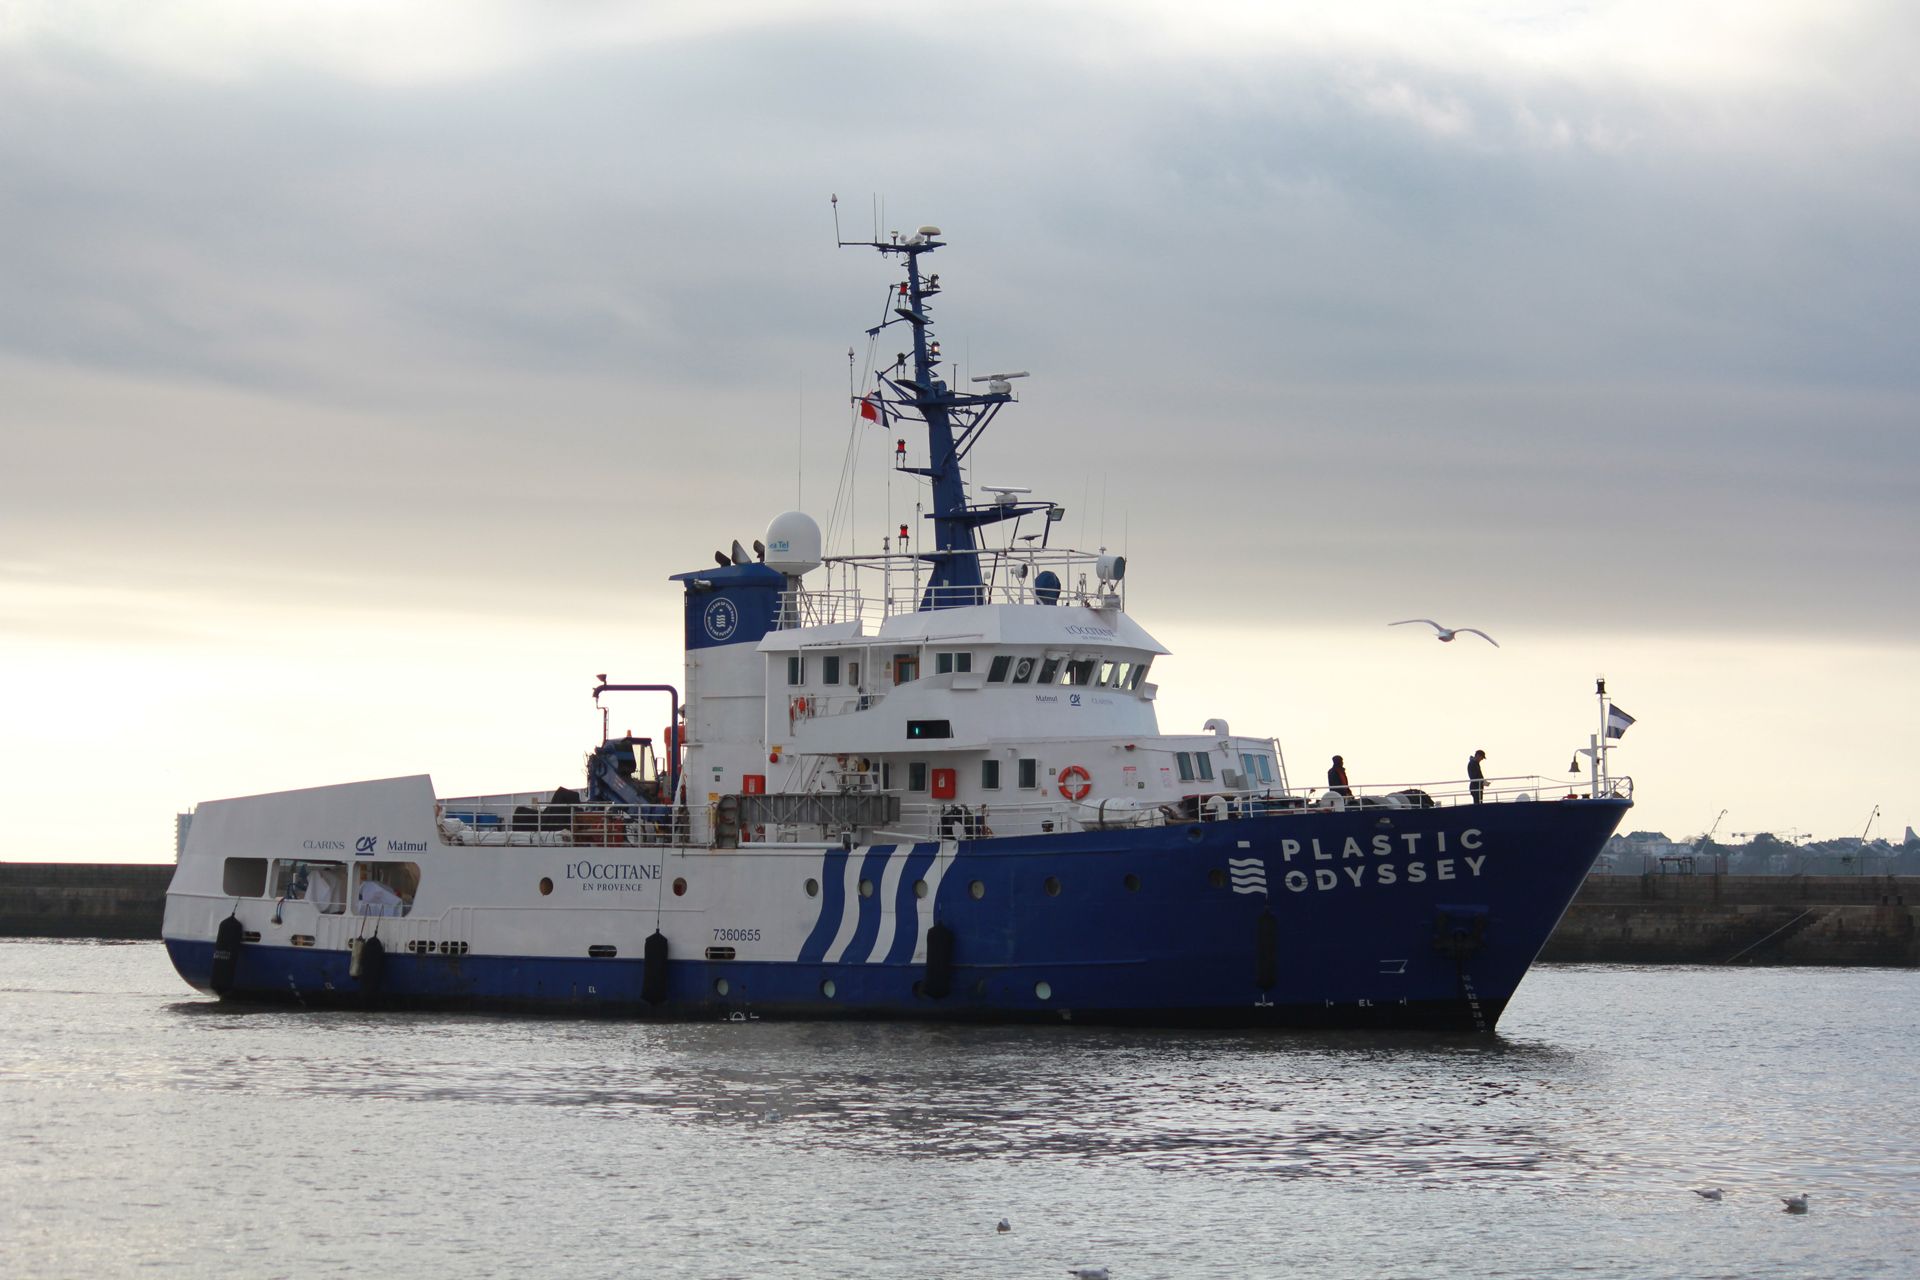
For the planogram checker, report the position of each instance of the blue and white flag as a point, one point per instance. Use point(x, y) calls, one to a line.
point(1617, 722)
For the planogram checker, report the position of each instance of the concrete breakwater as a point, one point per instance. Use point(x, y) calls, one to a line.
point(1716, 919)
point(82, 899)
point(1648, 919)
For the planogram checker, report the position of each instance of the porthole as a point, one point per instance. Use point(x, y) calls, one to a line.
point(603, 951)
point(1044, 990)
point(546, 885)
point(813, 888)
point(1195, 835)
point(1132, 882)
point(977, 890)
point(919, 888)
point(866, 888)
point(679, 887)
point(1052, 886)
point(827, 988)
point(1217, 878)
point(720, 986)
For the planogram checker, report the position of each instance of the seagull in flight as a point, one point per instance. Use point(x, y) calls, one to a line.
point(1446, 634)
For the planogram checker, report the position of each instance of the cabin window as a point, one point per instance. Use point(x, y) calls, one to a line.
point(1184, 759)
point(1265, 765)
point(853, 673)
point(906, 667)
point(1247, 771)
point(796, 669)
point(1204, 763)
point(830, 669)
point(963, 662)
point(324, 884)
point(1049, 670)
point(385, 888)
point(989, 775)
point(244, 878)
point(917, 775)
point(886, 775)
point(997, 670)
point(1029, 775)
point(1023, 671)
point(943, 664)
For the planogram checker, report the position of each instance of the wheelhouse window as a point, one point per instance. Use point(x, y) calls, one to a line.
point(1265, 765)
point(1106, 674)
point(830, 669)
point(1139, 675)
point(1029, 775)
point(1049, 671)
point(1120, 674)
point(989, 775)
point(1204, 763)
point(796, 669)
point(997, 670)
point(1184, 761)
point(1023, 671)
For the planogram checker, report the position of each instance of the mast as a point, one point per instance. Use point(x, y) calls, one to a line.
point(954, 422)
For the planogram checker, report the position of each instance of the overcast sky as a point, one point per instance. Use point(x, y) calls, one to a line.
point(365, 369)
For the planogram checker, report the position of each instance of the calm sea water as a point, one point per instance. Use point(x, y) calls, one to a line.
point(145, 1131)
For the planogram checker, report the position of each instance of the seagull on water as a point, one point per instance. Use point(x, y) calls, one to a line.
point(1446, 634)
point(1087, 1273)
point(1004, 1226)
point(1711, 1193)
point(1795, 1204)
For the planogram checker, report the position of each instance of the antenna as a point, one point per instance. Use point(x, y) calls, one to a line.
point(834, 200)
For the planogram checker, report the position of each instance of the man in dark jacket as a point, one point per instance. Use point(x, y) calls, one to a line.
point(1337, 779)
point(1476, 780)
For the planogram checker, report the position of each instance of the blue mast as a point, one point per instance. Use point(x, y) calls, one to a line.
point(954, 421)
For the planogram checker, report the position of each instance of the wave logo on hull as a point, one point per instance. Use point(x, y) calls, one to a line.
point(1249, 874)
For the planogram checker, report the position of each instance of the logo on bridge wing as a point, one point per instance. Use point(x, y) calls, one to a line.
point(1249, 874)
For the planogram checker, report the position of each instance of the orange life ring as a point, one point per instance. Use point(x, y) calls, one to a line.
point(1073, 792)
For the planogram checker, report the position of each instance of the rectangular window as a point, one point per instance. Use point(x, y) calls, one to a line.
point(1106, 674)
point(244, 878)
point(385, 888)
point(929, 728)
point(1080, 671)
point(1204, 762)
point(1185, 760)
point(1139, 675)
point(1265, 764)
point(886, 775)
point(853, 673)
point(1247, 771)
point(963, 661)
point(917, 775)
point(906, 668)
point(796, 669)
point(943, 664)
point(1029, 775)
point(1049, 670)
point(989, 775)
point(830, 669)
point(997, 672)
point(1120, 675)
point(324, 884)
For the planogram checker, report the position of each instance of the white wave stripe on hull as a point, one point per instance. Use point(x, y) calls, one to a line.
point(923, 907)
point(889, 886)
point(849, 906)
point(1249, 875)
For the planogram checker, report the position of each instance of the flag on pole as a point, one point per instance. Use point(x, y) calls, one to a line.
point(869, 410)
point(1617, 722)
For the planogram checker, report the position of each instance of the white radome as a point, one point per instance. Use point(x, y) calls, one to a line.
point(793, 543)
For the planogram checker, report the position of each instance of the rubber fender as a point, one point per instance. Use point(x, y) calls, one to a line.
point(653, 977)
point(369, 963)
point(938, 983)
point(227, 941)
point(1266, 947)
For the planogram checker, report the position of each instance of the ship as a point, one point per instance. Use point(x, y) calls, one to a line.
point(925, 782)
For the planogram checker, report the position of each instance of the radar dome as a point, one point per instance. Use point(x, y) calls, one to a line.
point(793, 543)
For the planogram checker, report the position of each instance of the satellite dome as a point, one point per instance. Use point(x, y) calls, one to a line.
point(793, 543)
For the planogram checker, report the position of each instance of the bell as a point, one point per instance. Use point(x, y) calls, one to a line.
point(1573, 765)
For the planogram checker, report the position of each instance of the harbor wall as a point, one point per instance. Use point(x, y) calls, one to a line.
point(1719, 919)
point(82, 899)
point(1645, 919)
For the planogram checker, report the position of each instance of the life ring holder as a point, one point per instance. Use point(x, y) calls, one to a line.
point(1072, 792)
